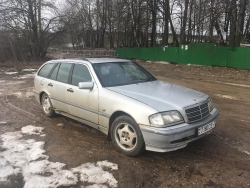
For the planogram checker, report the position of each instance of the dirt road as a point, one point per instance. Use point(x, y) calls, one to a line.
point(221, 159)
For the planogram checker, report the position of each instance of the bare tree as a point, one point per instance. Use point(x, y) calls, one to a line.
point(26, 20)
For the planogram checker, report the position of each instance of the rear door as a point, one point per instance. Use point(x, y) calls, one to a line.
point(83, 103)
point(57, 86)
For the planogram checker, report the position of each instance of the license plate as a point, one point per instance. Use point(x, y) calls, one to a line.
point(206, 128)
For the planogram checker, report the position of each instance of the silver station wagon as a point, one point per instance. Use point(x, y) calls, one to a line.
point(124, 101)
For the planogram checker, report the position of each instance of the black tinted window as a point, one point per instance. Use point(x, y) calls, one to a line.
point(80, 74)
point(63, 73)
point(45, 70)
point(54, 73)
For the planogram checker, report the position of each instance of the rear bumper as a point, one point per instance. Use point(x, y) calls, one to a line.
point(175, 137)
point(37, 96)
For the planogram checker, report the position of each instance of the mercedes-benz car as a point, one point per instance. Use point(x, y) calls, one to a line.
point(124, 101)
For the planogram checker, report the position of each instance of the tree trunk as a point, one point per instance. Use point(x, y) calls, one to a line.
point(217, 27)
point(175, 39)
point(154, 13)
point(233, 20)
point(246, 33)
point(184, 23)
point(212, 20)
point(190, 21)
point(166, 20)
point(240, 23)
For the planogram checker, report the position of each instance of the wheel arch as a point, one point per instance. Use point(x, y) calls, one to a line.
point(113, 117)
point(40, 96)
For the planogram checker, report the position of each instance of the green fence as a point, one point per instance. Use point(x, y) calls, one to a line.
point(200, 54)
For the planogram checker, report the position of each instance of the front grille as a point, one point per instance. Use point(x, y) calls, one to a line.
point(197, 113)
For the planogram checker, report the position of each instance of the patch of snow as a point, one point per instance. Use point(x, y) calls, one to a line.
point(226, 96)
point(25, 76)
point(11, 73)
point(240, 85)
point(107, 164)
point(162, 62)
point(3, 122)
point(2, 81)
point(60, 124)
point(17, 94)
point(195, 65)
point(92, 173)
point(27, 158)
point(244, 151)
point(29, 94)
point(231, 84)
point(15, 82)
point(247, 152)
point(27, 70)
point(30, 129)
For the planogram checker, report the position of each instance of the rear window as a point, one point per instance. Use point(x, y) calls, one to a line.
point(45, 70)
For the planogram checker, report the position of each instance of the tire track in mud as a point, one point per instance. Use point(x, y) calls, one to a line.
point(7, 104)
point(193, 152)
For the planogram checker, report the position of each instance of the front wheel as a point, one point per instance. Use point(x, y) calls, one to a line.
point(126, 136)
point(47, 106)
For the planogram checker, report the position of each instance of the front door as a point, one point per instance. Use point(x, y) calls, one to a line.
point(83, 103)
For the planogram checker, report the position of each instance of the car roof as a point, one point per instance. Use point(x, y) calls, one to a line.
point(105, 60)
point(97, 60)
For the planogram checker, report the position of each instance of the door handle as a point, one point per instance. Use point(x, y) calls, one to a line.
point(50, 84)
point(70, 90)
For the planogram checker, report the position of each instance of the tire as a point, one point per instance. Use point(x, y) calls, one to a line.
point(47, 106)
point(126, 136)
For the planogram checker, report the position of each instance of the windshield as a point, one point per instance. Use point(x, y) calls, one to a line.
point(121, 73)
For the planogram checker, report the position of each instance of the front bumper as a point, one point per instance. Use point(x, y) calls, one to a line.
point(172, 138)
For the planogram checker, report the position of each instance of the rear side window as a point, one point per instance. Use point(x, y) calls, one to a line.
point(54, 73)
point(80, 74)
point(63, 73)
point(45, 70)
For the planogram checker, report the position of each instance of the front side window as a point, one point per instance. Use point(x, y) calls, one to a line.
point(45, 70)
point(80, 74)
point(121, 73)
point(63, 73)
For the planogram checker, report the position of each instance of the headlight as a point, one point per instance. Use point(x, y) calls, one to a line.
point(210, 104)
point(165, 118)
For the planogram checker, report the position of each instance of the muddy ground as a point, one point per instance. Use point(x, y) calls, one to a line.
point(221, 159)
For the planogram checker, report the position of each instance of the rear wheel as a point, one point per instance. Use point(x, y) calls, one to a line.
point(47, 106)
point(126, 136)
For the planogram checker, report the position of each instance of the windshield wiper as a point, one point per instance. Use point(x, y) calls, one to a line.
point(150, 79)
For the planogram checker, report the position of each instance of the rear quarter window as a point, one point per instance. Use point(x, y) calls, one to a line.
point(45, 70)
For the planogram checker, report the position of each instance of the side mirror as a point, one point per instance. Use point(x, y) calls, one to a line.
point(86, 85)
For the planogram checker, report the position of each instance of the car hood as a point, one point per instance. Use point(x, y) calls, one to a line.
point(161, 95)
